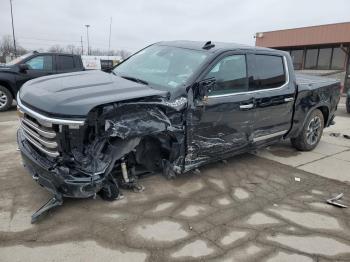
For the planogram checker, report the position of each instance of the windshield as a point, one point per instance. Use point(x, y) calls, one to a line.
point(18, 59)
point(164, 66)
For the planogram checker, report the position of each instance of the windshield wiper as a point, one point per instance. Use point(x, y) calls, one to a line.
point(137, 80)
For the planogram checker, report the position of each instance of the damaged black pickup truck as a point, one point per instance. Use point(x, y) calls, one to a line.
point(171, 107)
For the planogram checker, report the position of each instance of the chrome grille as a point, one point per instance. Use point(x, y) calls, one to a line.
point(40, 135)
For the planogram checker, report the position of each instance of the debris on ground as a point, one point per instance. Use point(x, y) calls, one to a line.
point(224, 161)
point(339, 134)
point(52, 203)
point(333, 201)
point(197, 171)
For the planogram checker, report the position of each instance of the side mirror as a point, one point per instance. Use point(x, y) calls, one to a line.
point(23, 67)
point(205, 87)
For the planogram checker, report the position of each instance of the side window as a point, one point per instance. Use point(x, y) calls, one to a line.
point(230, 74)
point(65, 62)
point(40, 63)
point(269, 72)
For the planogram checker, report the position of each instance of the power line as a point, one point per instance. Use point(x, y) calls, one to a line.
point(100, 44)
point(49, 40)
point(25, 42)
point(40, 42)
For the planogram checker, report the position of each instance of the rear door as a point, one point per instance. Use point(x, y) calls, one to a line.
point(66, 64)
point(274, 93)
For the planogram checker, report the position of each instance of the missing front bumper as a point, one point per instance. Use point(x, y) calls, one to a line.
point(58, 180)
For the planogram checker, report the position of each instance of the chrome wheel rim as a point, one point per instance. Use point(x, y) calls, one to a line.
point(313, 131)
point(3, 99)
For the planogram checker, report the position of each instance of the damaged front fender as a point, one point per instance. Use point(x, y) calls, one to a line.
point(117, 143)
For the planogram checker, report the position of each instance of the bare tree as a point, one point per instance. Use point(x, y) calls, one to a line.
point(7, 49)
point(96, 52)
point(21, 50)
point(56, 49)
point(6, 46)
point(124, 54)
point(72, 49)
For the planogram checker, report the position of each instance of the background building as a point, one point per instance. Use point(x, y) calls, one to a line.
point(320, 50)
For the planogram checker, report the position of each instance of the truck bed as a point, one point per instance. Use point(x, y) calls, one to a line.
point(310, 82)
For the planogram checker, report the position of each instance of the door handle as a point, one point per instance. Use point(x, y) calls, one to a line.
point(289, 99)
point(248, 106)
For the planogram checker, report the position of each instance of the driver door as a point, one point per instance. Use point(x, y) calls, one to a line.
point(40, 65)
point(221, 124)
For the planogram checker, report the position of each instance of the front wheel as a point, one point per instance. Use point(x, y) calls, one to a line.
point(311, 133)
point(348, 104)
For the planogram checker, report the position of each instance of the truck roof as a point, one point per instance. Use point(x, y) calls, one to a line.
point(212, 46)
point(52, 53)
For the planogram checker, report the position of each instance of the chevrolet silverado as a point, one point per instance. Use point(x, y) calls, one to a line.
point(169, 108)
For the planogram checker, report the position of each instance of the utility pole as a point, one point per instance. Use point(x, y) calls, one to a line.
point(82, 47)
point(87, 36)
point(109, 40)
point(13, 30)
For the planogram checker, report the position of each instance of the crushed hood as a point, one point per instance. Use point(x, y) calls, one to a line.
point(75, 94)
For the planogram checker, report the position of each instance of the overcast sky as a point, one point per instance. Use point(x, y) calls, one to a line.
point(136, 23)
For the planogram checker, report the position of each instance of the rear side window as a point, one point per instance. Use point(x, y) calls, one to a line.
point(65, 62)
point(269, 72)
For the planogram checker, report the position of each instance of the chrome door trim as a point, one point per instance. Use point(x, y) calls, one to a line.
point(260, 138)
point(263, 90)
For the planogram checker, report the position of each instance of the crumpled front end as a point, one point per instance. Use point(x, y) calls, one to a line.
point(59, 180)
point(107, 151)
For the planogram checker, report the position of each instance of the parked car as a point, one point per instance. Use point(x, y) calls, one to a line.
point(171, 107)
point(29, 66)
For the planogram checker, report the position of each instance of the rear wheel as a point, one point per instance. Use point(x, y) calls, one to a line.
point(5, 99)
point(311, 133)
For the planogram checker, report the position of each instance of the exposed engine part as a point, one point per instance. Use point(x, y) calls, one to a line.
point(124, 171)
point(110, 191)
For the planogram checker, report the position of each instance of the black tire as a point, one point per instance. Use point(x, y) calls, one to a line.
point(311, 133)
point(347, 103)
point(5, 99)
point(109, 192)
